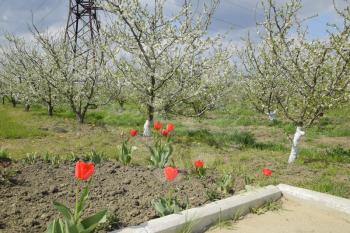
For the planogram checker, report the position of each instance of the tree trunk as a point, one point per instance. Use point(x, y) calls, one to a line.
point(272, 115)
point(150, 109)
point(294, 151)
point(26, 107)
point(121, 105)
point(80, 117)
point(147, 129)
point(14, 102)
point(148, 123)
point(50, 109)
point(3, 100)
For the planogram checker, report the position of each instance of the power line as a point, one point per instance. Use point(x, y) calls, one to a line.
point(242, 6)
point(47, 14)
point(228, 22)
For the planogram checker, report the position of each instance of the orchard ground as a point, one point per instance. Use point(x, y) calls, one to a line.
point(231, 140)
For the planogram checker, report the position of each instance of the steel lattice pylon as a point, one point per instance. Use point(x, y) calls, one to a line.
point(82, 27)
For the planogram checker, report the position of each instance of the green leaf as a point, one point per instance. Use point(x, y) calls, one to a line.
point(90, 223)
point(54, 227)
point(70, 227)
point(63, 210)
point(83, 197)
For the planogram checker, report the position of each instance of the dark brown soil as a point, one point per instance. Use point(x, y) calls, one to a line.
point(126, 191)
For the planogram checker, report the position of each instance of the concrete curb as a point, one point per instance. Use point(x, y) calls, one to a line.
point(201, 218)
point(337, 203)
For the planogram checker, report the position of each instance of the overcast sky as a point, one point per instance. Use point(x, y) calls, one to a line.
point(239, 15)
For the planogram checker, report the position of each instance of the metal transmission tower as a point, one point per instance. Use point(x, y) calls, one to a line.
point(82, 27)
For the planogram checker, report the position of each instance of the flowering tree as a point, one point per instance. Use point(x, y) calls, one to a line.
point(166, 60)
point(15, 73)
point(80, 82)
point(302, 78)
point(37, 74)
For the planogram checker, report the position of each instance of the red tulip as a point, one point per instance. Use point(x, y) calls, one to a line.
point(170, 173)
point(133, 132)
point(165, 132)
point(157, 125)
point(83, 170)
point(198, 163)
point(266, 172)
point(170, 127)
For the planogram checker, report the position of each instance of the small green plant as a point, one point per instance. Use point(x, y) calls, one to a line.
point(94, 157)
point(5, 159)
point(268, 206)
point(51, 159)
point(166, 206)
point(72, 157)
point(160, 154)
point(226, 183)
point(7, 175)
point(111, 223)
point(212, 195)
point(124, 156)
point(4, 153)
point(248, 180)
point(30, 158)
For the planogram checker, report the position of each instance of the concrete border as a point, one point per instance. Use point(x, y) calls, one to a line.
point(202, 217)
point(337, 203)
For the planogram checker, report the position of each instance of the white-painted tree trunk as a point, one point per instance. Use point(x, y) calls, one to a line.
point(294, 152)
point(147, 129)
point(272, 115)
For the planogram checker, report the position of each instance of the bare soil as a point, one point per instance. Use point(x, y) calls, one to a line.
point(126, 191)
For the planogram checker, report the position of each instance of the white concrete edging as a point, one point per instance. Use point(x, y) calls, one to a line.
point(202, 217)
point(337, 203)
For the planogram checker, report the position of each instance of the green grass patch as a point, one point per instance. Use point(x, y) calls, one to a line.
point(324, 156)
point(13, 127)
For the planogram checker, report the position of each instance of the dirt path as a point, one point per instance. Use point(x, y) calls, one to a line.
point(294, 217)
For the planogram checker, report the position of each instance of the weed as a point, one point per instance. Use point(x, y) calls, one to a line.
point(52, 159)
point(245, 139)
point(187, 227)
point(7, 176)
point(4, 153)
point(268, 206)
point(112, 222)
point(226, 184)
point(94, 157)
point(30, 158)
point(72, 157)
point(166, 206)
point(338, 152)
point(212, 195)
point(248, 180)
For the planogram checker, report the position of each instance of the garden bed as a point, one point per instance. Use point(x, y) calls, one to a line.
point(126, 191)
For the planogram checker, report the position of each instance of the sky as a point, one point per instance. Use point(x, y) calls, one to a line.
point(236, 16)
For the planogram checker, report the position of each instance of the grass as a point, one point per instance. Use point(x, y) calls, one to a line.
point(268, 206)
point(15, 127)
point(233, 140)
